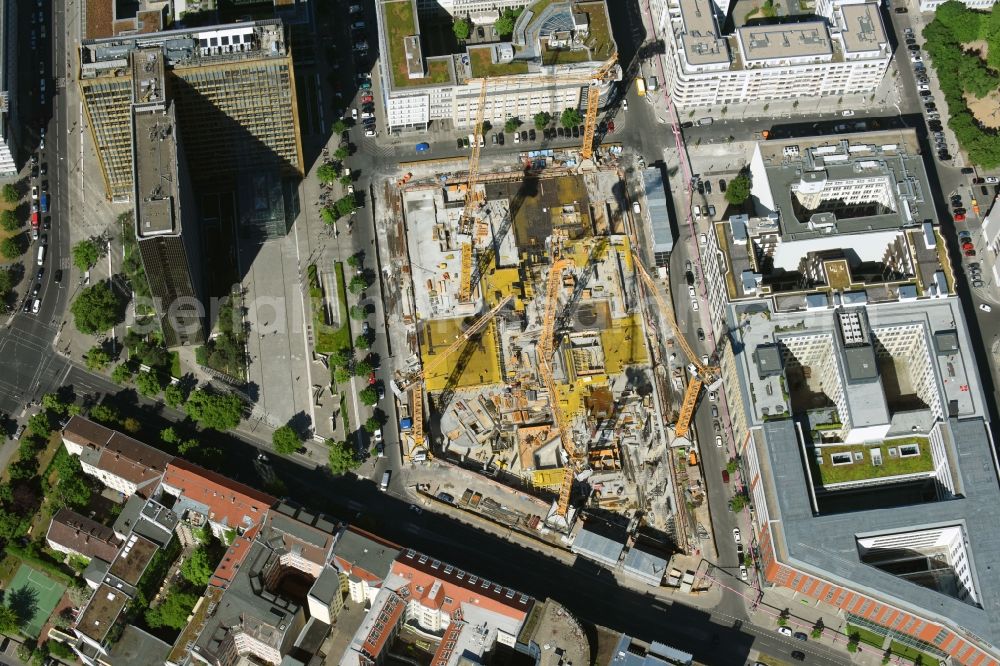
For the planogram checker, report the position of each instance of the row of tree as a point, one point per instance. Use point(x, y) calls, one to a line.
point(569, 119)
point(504, 25)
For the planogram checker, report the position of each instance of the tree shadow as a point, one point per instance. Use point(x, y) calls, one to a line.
point(24, 602)
point(301, 423)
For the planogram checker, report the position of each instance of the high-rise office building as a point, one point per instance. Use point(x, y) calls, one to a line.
point(234, 89)
point(164, 204)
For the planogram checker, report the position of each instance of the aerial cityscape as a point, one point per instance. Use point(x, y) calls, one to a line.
point(499, 332)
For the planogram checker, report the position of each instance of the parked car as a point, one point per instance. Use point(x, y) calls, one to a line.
point(785, 631)
point(738, 538)
point(798, 655)
point(744, 576)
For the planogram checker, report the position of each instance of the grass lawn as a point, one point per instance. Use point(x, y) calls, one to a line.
point(602, 46)
point(342, 336)
point(563, 56)
point(175, 365)
point(483, 65)
point(401, 22)
point(912, 654)
point(828, 473)
point(867, 637)
point(7, 234)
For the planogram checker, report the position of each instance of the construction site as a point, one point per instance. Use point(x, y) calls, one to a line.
point(528, 357)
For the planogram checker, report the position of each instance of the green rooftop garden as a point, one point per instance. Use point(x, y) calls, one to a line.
point(601, 44)
point(481, 60)
point(400, 23)
point(563, 56)
point(829, 473)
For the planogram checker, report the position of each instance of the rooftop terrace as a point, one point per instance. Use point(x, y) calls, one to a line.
point(399, 21)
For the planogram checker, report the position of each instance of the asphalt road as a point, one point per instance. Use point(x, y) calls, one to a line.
point(28, 365)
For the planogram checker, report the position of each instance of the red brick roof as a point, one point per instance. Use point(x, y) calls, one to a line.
point(231, 561)
point(83, 535)
point(229, 502)
point(388, 616)
point(132, 460)
point(457, 587)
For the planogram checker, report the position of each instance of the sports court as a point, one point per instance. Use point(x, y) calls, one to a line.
point(32, 590)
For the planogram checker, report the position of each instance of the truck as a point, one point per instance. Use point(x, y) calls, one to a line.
point(35, 220)
point(405, 423)
point(640, 86)
point(45, 202)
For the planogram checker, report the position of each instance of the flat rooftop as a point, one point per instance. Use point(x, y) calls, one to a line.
point(826, 545)
point(154, 153)
point(185, 47)
point(784, 40)
point(102, 611)
point(700, 36)
point(133, 559)
point(863, 31)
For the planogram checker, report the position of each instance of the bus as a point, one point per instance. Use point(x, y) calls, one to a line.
point(640, 86)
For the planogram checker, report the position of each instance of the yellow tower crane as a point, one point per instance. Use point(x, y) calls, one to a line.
point(704, 373)
point(586, 151)
point(416, 381)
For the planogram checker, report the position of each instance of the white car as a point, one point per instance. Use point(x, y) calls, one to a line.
point(35, 306)
point(517, 137)
point(736, 535)
point(350, 189)
point(369, 132)
point(743, 573)
point(34, 192)
point(992, 179)
point(691, 291)
point(624, 105)
point(378, 435)
point(718, 441)
point(985, 308)
point(703, 238)
point(635, 207)
point(713, 396)
point(784, 631)
point(923, 86)
point(694, 305)
point(845, 114)
point(354, 114)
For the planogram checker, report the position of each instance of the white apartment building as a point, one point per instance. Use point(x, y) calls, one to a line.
point(547, 66)
point(845, 52)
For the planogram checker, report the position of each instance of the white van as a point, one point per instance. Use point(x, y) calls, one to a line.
point(41, 255)
point(385, 481)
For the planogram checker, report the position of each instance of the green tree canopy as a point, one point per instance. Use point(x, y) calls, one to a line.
point(198, 567)
point(121, 374)
point(40, 424)
point(286, 440)
point(105, 414)
point(174, 395)
point(738, 190)
point(362, 341)
point(327, 173)
point(220, 411)
point(97, 309)
point(358, 284)
point(85, 254)
point(505, 24)
point(97, 358)
point(368, 395)
point(10, 194)
point(149, 383)
point(173, 611)
point(10, 248)
point(354, 261)
point(542, 119)
point(341, 375)
point(9, 221)
point(340, 358)
point(343, 457)
point(339, 127)
point(73, 491)
point(362, 368)
point(462, 28)
point(570, 118)
point(6, 281)
point(511, 125)
point(9, 621)
point(345, 205)
point(372, 424)
point(358, 312)
point(328, 215)
point(341, 153)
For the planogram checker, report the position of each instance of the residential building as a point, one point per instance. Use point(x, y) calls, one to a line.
point(234, 88)
point(118, 461)
point(843, 52)
point(547, 66)
point(208, 498)
point(75, 534)
point(363, 561)
point(856, 404)
point(11, 131)
point(631, 652)
point(467, 615)
point(247, 612)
